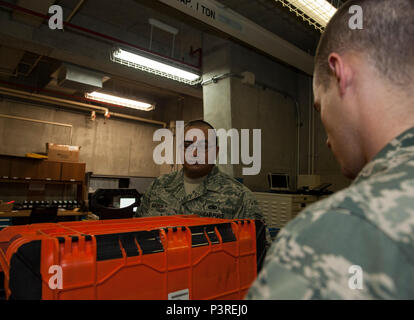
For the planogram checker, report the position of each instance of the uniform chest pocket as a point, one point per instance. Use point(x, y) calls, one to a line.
point(213, 210)
point(161, 207)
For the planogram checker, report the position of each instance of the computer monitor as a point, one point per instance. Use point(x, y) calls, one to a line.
point(126, 202)
point(278, 181)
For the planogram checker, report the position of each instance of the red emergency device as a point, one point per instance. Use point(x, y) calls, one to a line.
point(168, 257)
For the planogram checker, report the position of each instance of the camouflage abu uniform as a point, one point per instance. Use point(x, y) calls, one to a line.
point(219, 196)
point(369, 224)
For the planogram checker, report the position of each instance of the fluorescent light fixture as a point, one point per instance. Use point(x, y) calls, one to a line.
point(320, 11)
point(103, 97)
point(143, 63)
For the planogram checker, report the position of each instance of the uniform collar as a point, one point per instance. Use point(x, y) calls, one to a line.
point(393, 154)
point(212, 183)
point(176, 187)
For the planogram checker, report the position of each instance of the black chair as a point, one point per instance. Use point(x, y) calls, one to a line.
point(43, 215)
point(114, 213)
point(102, 200)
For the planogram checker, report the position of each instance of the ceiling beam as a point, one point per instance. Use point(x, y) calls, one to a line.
point(223, 19)
point(84, 51)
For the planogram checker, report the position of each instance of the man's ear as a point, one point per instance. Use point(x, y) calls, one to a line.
point(340, 71)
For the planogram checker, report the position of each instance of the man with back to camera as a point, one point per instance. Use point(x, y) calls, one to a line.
point(359, 243)
point(199, 189)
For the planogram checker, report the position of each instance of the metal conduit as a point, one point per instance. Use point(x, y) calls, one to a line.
point(41, 121)
point(73, 104)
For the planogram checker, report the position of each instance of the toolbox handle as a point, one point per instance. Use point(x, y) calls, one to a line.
point(108, 246)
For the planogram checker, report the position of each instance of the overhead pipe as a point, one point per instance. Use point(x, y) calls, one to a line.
point(95, 33)
point(73, 104)
point(34, 89)
point(66, 102)
point(75, 10)
point(41, 121)
point(215, 79)
point(15, 92)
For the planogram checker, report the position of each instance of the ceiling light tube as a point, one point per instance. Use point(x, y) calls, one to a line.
point(143, 63)
point(320, 11)
point(128, 103)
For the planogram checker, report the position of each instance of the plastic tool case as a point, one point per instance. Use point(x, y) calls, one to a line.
point(168, 257)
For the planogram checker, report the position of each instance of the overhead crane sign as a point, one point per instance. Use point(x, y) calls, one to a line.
point(201, 7)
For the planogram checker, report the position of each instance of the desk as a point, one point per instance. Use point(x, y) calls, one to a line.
point(26, 213)
point(22, 217)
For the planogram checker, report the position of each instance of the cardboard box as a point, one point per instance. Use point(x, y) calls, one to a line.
point(5, 207)
point(60, 152)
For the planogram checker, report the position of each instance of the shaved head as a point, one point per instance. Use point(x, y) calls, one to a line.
point(387, 39)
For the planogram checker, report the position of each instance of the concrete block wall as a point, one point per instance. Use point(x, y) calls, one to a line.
point(275, 116)
point(108, 147)
point(111, 147)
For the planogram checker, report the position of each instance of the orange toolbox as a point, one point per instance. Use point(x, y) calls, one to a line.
point(157, 258)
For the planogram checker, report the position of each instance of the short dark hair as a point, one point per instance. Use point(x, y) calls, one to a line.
point(387, 39)
point(198, 122)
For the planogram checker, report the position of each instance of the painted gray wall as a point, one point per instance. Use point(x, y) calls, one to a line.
point(230, 102)
point(267, 110)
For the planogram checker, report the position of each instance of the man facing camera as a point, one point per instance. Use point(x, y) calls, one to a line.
point(199, 188)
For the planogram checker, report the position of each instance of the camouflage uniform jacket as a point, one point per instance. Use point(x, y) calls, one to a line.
point(219, 196)
point(370, 224)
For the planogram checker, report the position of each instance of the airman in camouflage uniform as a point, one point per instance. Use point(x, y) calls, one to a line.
point(370, 224)
point(215, 194)
point(219, 196)
point(358, 243)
